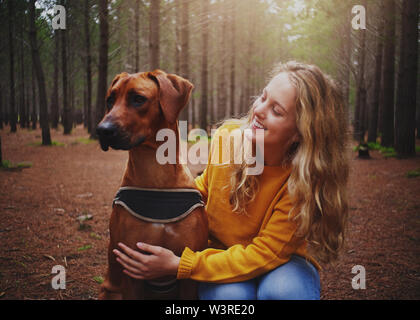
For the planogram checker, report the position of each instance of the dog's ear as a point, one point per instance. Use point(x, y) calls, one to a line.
point(174, 93)
point(117, 77)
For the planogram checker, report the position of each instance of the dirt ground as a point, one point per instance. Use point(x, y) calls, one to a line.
point(40, 208)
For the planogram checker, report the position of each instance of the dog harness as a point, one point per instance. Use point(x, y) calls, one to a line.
point(158, 205)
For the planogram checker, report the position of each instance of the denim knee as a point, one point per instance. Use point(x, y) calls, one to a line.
point(297, 279)
point(227, 291)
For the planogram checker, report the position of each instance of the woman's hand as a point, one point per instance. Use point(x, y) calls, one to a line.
point(158, 263)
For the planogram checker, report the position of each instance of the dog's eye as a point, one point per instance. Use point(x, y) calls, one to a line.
point(110, 102)
point(138, 100)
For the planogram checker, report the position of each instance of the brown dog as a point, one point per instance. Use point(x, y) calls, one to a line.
point(139, 105)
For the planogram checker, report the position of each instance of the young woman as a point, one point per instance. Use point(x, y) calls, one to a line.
point(268, 231)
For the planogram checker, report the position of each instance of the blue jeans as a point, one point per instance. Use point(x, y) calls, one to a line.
point(297, 279)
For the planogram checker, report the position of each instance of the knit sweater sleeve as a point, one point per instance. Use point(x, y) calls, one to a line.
point(272, 247)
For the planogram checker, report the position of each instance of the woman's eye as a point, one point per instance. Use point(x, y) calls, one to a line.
point(277, 111)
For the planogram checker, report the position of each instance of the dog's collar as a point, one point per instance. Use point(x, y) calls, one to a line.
point(158, 205)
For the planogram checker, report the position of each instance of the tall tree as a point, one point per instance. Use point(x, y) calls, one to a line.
point(204, 65)
point(103, 64)
point(177, 6)
point(43, 109)
point(221, 84)
point(232, 109)
point(185, 49)
point(405, 113)
point(137, 35)
point(154, 34)
point(88, 115)
point(54, 106)
point(22, 104)
point(34, 100)
point(66, 117)
point(388, 77)
point(374, 106)
point(12, 112)
point(361, 95)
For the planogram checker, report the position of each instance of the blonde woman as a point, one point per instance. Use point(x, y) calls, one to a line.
point(269, 232)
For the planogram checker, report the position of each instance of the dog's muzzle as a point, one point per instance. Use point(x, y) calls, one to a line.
point(110, 135)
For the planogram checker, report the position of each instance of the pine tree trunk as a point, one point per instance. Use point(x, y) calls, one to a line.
point(103, 64)
point(184, 54)
point(177, 36)
point(54, 94)
point(88, 68)
point(34, 106)
point(221, 84)
point(12, 112)
point(373, 118)
point(154, 34)
point(43, 109)
point(405, 113)
point(204, 66)
point(361, 91)
point(137, 36)
point(22, 109)
point(388, 76)
point(66, 106)
point(232, 109)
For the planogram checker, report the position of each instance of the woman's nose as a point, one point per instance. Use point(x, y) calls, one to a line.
point(260, 110)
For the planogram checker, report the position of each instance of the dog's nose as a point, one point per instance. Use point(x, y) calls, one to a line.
point(107, 130)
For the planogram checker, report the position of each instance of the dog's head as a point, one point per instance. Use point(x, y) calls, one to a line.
point(140, 104)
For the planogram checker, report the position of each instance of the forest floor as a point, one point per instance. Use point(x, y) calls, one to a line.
point(41, 208)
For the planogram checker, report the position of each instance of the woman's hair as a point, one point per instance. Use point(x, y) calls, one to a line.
point(319, 161)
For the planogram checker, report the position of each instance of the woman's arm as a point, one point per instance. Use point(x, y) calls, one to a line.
point(270, 248)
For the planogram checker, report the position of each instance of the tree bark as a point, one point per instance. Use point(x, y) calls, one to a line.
point(405, 113)
point(54, 106)
point(373, 114)
point(22, 104)
point(178, 11)
point(12, 112)
point(232, 110)
point(66, 106)
point(43, 110)
point(204, 66)
point(359, 128)
point(34, 106)
point(103, 65)
point(88, 68)
point(184, 58)
point(388, 77)
point(154, 34)
point(221, 84)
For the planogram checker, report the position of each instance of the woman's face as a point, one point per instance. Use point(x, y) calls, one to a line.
point(275, 112)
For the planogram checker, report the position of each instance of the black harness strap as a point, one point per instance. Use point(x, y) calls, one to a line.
point(158, 205)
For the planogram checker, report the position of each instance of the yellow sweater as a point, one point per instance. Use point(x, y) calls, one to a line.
point(243, 247)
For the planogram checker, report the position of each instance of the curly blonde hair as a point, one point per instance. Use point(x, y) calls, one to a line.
point(319, 161)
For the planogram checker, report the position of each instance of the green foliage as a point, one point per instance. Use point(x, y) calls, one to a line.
point(387, 152)
point(7, 164)
point(98, 279)
point(413, 173)
point(53, 143)
point(85, 247)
